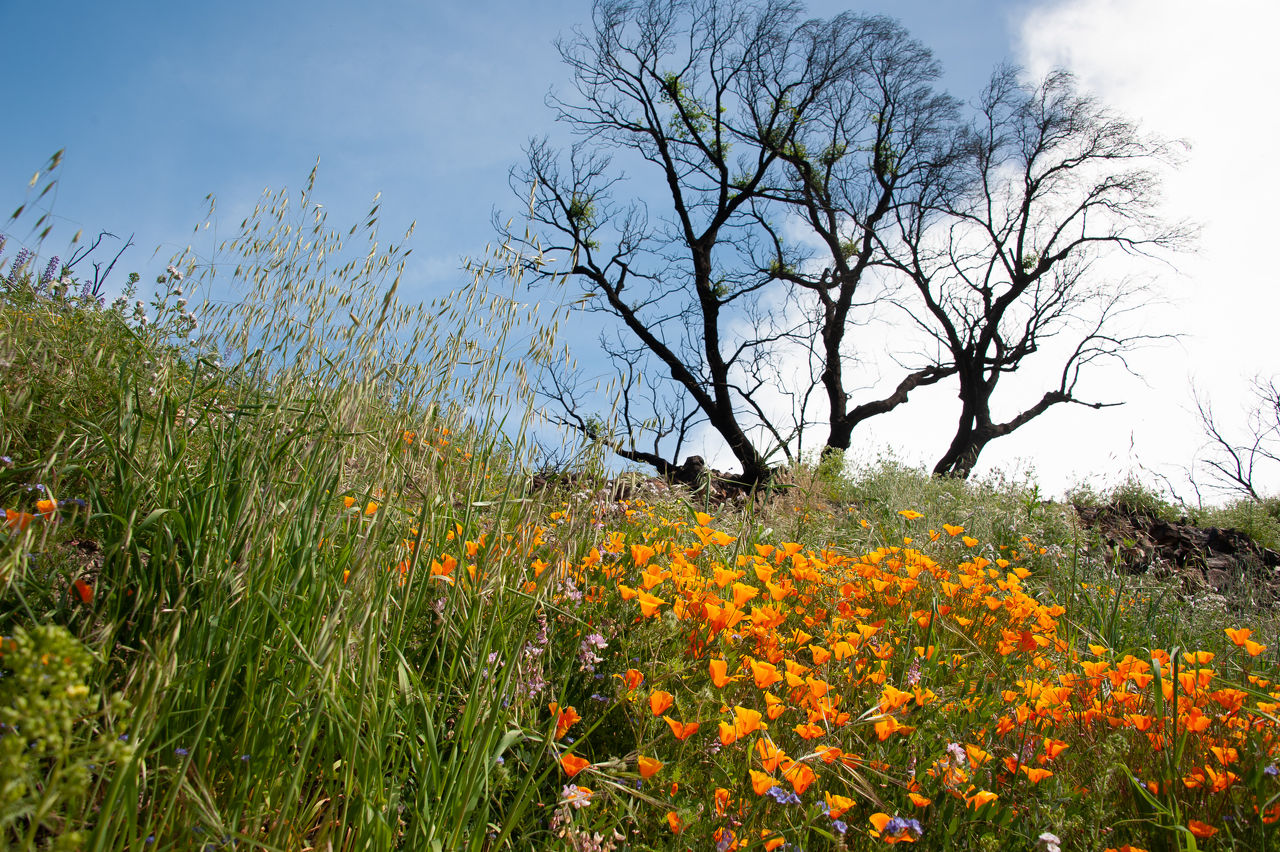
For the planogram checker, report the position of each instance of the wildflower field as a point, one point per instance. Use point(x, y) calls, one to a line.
point(288, 587)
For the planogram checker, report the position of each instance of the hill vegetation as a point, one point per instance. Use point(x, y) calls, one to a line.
point(273, 575)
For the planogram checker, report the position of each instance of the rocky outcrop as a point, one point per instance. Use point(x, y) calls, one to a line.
point(1224, 560)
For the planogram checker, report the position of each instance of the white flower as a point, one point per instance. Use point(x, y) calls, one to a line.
point(1048, 842)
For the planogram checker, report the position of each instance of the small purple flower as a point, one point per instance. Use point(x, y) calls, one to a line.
point(898, 825)
point(726, 840)
point(783, 797)
point(1272, 770)
point(839, 826)
point(181, 752)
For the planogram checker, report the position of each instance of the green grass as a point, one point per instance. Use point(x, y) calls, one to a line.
point(293, 592)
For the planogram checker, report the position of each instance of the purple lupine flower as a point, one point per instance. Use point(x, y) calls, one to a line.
point(587, 656)
point(913, 673)
point(49, 271)
point(19, 261)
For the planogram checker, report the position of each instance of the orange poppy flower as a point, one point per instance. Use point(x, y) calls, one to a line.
point(648, 766)
point(565, 719)
point(762, 783)
point(83, 590)
point(765, 674)
point(819, 654)
point(800, 776)
point(572, 764)
point(17, 520)
point(746, 721)
point(1201, 830)
point(660, 701)
point(771, 757)
point(889, 726)
point(837, 805)
point(743, 593)
point(1053, 748)
point(980, 798)
point(681, 730)
point(976, 755)
point(720, 673)
point(633, 678)
point(649, 604)
point(1036, 775)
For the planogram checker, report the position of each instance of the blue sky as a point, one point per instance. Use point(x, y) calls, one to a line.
point(160, 103)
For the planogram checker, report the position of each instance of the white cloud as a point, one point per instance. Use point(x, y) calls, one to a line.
point(1203, 73)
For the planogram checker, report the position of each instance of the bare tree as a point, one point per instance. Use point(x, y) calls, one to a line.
point(755, 120)
point(1004, 248)
point(1236, 465)
point(874, 144)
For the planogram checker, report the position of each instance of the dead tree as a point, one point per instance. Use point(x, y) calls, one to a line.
point(1005, 251)
point(751, 118)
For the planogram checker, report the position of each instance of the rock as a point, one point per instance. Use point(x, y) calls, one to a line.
point(1201, 557)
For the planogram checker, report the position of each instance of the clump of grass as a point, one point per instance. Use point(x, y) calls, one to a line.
point(262, 508)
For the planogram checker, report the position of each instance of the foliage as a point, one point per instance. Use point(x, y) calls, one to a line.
point(58, 738)
point(307, 560)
